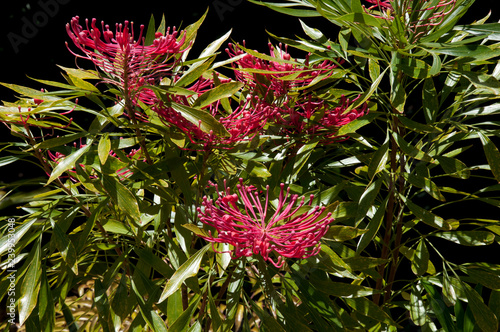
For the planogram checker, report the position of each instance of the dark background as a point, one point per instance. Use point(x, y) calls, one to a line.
point(30, 50)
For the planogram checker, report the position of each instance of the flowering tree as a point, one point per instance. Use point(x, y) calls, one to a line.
point(261, 191)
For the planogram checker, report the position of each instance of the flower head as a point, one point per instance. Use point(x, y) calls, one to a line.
point(278, 76)
point(318, 118)
point(126, 61)
point(242, 221)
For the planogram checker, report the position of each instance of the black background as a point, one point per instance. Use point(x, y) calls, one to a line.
point(36, 52)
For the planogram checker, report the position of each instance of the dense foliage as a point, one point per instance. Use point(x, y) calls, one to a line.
point(353, 187)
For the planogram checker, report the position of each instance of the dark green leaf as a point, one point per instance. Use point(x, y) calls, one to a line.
point(122, 197)
point(370, 309)
point(28, 295)
point(485, 318)
point(65, 246)
point(492, 155)
point(439, 307)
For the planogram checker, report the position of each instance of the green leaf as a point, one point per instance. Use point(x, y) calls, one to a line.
point(65, 246)
point(150, 32)
point(439, 307)
point(257, 169)
point(214, 312)
point(196, 230)
point(58, 141)
point(81, 73)
point(454, 167)
point(214, 46)
point(174, 306)
point(488, 278)
point(378, 162)
point(494, 303)
point(188, 269)
point(46, 312)
point(431, 105)
point(30, 285)
point(7, 241)
point(492, 155)
point(366, 200)
point(68, 162)
point(343, 233)
point(352, 126)
point(370, 309)
point(372, 228)
point(414, 68)
point(341, 289)
point(425, 183)
point(420, 261)
point(418, 127)
point(411, 150)
point(284, 9)
point(194, 72)
point(269, 323)
point(104, 148)
point(426, 216)
point(312, 32)
point(201, 118)
point(485, 318)
point(418, 312)
point(468, 238)
point(122, 197)
point(483, 81)
point(182, 322)
point(222, 91)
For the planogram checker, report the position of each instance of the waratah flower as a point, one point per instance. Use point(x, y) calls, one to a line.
point(244, 222)
point(126, 61)
point(318, 118)
point(278, 76)
point(242, 123)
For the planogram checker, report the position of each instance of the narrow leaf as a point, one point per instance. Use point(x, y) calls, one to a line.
point(188, 269)
point(29, 287)
point(122, 197)
point(492, 155)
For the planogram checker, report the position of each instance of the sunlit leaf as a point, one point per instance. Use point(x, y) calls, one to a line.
point(467, 238)
point(420, 260)
point(188, 269)
point(492, 155)
point(28, 295)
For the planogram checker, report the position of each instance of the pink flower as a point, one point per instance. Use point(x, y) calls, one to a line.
point(275, 76)
point(316, 117)
point(243, 123)
point(127, 62)
point(245, 223)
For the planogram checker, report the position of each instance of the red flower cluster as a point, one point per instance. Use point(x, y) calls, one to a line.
point(252, 229)
point(274, 100)
point(279, 85)
point(127, 62)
